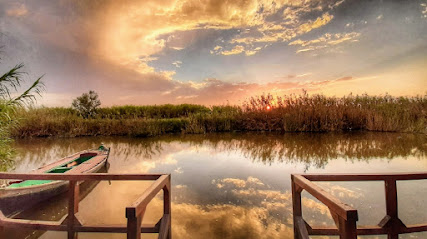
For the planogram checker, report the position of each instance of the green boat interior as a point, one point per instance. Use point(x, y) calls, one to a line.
point(60, 169)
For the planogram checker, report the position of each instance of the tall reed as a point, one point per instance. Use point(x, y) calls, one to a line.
point(292, 113)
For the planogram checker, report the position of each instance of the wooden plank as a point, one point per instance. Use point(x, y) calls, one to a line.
point(366, 176)
point(164, 227)
point(391, 208)
point(80, 177)
point(415, 228)
point(365, 230)
point(347, 229)
point(73, 207)
point(167, 206)
point(361, 230)
point(343, 210)
point(296, 206)
point(134, 227)
point(301, 228)
point(141, 203)
point(116, 228)
point(83, 167)
point(55, 164)
point(33, 224)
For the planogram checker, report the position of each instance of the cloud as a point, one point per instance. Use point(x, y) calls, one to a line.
point(236, 50)
point(144, 28)
point(424, 10)
point(239, 183)
point(325, 41)
point(177, 64)
point(18, 10)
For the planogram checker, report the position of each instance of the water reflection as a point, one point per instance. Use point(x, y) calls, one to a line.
point(311, 149)
point(238, 185)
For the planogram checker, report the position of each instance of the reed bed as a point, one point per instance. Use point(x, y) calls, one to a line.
point(292, 113)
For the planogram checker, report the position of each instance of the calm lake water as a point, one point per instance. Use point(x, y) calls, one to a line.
point(237, 185)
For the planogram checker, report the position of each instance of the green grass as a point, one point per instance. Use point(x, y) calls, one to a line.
point(302, 113)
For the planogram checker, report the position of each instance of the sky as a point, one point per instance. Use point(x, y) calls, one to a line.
point(215, 52)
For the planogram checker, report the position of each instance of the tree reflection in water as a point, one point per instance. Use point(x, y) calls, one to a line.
point(209, 203)
point(312, 149)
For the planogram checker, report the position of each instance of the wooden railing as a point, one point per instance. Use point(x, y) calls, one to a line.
point(72, 224)
point(345, 217)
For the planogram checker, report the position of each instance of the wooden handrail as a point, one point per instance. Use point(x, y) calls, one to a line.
point(345, 222)
point(343, 210)
point(138, 206)
point(81, 177)
point(71, 222)
point(365, 177)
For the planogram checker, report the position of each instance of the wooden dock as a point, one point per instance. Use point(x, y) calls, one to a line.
point(345, 216)
point(72, 224)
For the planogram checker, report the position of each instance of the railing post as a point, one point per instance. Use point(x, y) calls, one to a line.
point(347, 228)
point(134, 223)
point(391, 208)
point(2, 234)
point(73, 208)
point(296, 206)
point(167, 205)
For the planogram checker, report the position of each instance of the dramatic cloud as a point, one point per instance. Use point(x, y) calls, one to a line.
point(325, 41)
point(212, 52)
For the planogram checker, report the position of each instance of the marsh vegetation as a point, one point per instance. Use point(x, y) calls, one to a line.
point(293, 113)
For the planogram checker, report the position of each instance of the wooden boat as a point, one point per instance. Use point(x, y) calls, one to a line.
point(20, 195)
point(52, 209)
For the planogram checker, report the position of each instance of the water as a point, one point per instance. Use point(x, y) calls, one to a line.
point(238, 185)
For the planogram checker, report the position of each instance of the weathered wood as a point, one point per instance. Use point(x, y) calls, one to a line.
point(72, 224)
point(134, 225)
point(116, 228)
point(167, 206)
point(335, 217)
point(80, 177)
point(364, 230)
point(347, 228)
point(366, 177)
point(139, 205)
point(73, 207)
point(390, 224)
point(301, 228)
point(361, 230)
point(164, 227)
point(296, 206)
point(343, 210)
point(391, 208)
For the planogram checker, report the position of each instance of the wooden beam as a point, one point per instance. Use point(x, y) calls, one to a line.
point(301, 228)
point(80, 177)
point(167, 206)
point(296, 206)
point(366, 176)
point(164, 227)
point(73, 207)
point(116, 228)
point(343, 210)
point(361, 230)
point(347, 228)
point(134, 226)
point(139, 205)
point(391, 208)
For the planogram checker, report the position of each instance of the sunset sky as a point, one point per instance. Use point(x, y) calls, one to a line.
point(215, 52)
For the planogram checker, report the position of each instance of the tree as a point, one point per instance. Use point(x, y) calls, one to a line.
point(86, 104)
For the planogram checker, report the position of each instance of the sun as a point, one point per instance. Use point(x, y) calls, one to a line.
point(268, 107)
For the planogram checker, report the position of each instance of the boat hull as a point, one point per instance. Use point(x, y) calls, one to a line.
point(15, 200)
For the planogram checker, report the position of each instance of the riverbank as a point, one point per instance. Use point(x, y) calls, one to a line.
point(302, 113)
